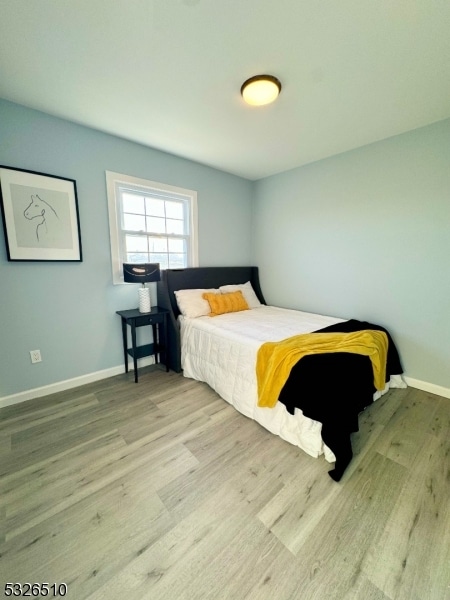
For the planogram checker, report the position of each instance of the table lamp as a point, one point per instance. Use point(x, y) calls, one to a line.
point(142, 273)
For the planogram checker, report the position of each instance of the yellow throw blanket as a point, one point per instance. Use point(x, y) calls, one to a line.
point(276, 359)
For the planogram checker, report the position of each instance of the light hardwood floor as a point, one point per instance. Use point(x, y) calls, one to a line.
point(162, 491)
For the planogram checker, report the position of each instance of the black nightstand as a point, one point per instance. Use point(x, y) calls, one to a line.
point(157, 318)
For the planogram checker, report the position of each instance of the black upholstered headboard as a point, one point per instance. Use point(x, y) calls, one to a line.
point(193, 278)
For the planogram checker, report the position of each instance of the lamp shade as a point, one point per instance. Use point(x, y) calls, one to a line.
point(141, 273)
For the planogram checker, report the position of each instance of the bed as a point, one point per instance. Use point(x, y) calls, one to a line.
point(222, 351)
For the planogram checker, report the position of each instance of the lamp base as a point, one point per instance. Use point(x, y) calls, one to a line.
point(144, 300)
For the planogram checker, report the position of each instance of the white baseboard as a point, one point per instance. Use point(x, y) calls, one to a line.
point(61, 386)
point(67, 384)
point(428, 387)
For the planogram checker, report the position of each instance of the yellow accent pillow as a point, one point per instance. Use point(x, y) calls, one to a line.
point(226, 303)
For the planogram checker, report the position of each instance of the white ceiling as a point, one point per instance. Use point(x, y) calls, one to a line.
point(167, 73)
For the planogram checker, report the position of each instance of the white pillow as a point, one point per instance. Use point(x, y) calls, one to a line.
point(247, 291)
point(192, 304)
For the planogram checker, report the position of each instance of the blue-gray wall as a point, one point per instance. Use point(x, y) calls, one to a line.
point(366, 235)
point(67, 310)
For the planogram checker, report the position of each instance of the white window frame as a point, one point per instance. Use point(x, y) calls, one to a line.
point(113, 181)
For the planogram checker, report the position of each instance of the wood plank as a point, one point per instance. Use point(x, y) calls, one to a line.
point(400, 442)
point(5, 445)
point(160, 468)
point(162, 490)
point(333, 555)
point(295, 512)
point(183, 554)
point(400, 564)
point(86, 544)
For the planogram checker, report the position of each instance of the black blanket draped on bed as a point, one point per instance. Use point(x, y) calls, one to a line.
point(334, 388)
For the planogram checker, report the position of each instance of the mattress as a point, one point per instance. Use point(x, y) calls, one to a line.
point(222, 352)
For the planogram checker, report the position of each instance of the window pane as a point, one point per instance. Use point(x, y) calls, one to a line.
point(177, 261)
point(174, 210)
point(154, 207)
point(157, 244)
point(136, 243)
point(150, 222)
point(161, 259)
point(174, 226)
point(156, 225)
point(137, 257)
point(133, 203)
point(176, 245)
point(133, 222)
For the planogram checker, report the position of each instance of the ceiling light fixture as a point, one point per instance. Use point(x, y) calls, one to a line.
point(260, 90)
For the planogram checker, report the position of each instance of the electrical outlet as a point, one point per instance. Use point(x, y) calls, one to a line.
point(35, 356)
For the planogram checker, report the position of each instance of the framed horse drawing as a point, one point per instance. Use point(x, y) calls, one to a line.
point(40, 216)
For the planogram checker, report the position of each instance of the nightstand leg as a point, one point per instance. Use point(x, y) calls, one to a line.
point(155, 343)
point(125, 344)
point(133, 341)
point(166, 353)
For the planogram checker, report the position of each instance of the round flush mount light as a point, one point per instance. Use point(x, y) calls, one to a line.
point(260, 90)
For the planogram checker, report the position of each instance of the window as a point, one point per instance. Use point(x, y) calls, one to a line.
point(150, 222)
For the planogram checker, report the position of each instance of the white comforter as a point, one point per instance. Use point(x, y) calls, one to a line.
point(222, 351)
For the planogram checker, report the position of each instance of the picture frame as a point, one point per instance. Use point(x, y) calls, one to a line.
point(40, 216)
